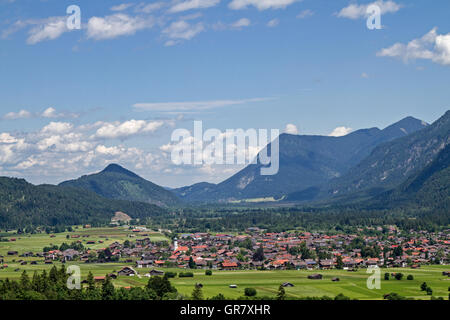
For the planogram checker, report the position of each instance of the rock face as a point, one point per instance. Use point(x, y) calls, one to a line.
point(120, 216)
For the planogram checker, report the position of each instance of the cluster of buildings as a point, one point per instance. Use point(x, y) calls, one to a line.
point(261, 250)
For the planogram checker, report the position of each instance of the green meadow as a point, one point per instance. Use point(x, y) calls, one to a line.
point(351, 284)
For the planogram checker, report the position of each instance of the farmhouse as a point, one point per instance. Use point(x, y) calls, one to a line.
point(315, 276)
point(127, 271)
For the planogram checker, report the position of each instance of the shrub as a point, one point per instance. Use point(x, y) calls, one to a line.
point(386, 276)
point(170, 274)
point(208, 273)
point(399, 276)
point(429, 291)
point(186, 275)
point(250, 292)
point(410, 277)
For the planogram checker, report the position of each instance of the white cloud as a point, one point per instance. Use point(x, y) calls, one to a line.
point(126, 129)
point(364, 75)
point(261, 4)
point(47, 113)
point(182, 30)
point(22, 114)
point(273, 23)
point(122, 7)
point(291, 129)
point(244, 22)
point(148, 8)
point(116, 25)
point(193, 105)
point(340, 131)
point(57, 127)
point(305, 14)
point(432, 46)
point(49, 29)
point(358, 11)
point(193, 4)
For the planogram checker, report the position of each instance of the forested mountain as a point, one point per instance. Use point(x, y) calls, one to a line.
point(305, 162)
point(393, 162)
point(429, 188)
point(116, 182)
point(23, 204)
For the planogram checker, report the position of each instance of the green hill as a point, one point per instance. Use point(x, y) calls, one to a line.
point(23, 204)
point(116, 182)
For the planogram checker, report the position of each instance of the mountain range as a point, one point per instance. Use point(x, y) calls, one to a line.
point(306, 162)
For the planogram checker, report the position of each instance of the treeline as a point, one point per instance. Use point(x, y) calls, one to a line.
point(339, 219)
point(23, 205)
point(53, 286)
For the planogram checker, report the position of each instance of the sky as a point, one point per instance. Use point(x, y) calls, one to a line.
point(113, 91)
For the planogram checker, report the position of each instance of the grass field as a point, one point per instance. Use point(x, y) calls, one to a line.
point(351, 284)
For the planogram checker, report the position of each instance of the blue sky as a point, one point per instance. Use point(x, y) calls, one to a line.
point(72, 101)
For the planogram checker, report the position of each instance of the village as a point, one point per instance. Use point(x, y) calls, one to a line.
point(256, 249)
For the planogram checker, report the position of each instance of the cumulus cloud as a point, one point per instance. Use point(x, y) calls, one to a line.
point(22, 114)
point(432, 46)
point(291, 129)
point(61, 149)
point(109, 27)
point(193, 105)
point(261, 4)
point(340, 131)
point(120, 130)
point(193, 4)
point(47, 113)
point(358, 11)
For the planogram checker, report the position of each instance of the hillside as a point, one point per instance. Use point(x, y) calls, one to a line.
point(305, 162)
point(116, 182)
point(393, 162)
point(22, 204)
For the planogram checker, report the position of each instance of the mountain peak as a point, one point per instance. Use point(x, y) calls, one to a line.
point(407, 125)
point(113, 167)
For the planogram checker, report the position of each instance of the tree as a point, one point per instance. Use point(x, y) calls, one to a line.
point(250, 292)
point(108, 289)
point(410, 277)
point(259, 254)
point(161, 286)
point(399, 276)
point(197, 293)
point(208, 273)
point(281, 295)
point(386, 276)
point(192, 264)
point(423, 286)
point(429, 291)
point(339, 262)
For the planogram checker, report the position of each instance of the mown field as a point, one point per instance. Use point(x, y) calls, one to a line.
point(351, 284)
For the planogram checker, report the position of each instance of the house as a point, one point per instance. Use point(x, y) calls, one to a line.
point(287, 284)
point(335, 279)
point(144, 263)
point(156, 273)
point(326, 264)
point(12, 253)
point(127, 271)
point(315, 276)
point(233, 286)
point(99, 279)
point(228, 265)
